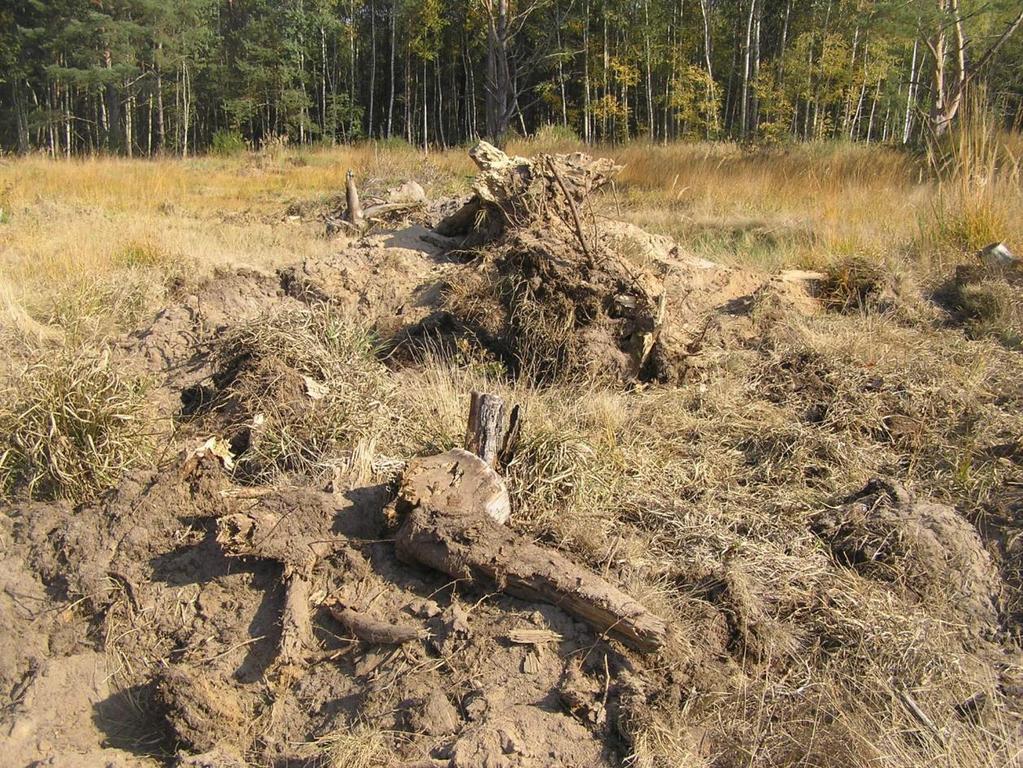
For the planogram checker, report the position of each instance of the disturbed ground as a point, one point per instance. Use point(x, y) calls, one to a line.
point(134, 638)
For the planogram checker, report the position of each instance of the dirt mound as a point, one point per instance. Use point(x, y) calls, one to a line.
point(287, 389)
point(382, 278)
point(925, 549)
point(486, 684)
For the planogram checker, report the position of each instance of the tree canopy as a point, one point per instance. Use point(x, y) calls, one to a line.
point(148, 76)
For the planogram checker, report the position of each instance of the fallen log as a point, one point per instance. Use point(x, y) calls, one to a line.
point(446, 527)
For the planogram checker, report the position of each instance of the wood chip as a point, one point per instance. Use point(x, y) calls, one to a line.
point(533, 636)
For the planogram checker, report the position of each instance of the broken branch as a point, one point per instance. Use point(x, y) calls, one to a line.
point(371, 630)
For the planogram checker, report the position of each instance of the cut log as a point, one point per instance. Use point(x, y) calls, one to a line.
point(486, 419)
point(446, 528)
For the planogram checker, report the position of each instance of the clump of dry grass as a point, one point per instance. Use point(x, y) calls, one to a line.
point(71, 426)
point(987, 303)
point(979, 182)
point(855, 283)
point(359, 746)
point(296, 389)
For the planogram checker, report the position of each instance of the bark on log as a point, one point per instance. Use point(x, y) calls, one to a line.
point(446, 529)
point(486, 420)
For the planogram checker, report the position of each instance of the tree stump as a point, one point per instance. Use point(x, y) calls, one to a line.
point(354, 214)
point(484, 433)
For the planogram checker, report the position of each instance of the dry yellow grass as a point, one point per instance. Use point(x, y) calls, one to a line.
point(87, 223)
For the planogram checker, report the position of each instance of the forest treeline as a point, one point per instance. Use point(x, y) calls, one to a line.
point(141, 77)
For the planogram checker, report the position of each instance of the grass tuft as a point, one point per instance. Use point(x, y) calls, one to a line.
point(855, 283)
point(71, 426)
point(296, 389)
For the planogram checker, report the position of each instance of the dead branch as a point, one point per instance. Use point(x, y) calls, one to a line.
point(297, 640)
point(294, 532)
point(574, 211)
point(371, 630)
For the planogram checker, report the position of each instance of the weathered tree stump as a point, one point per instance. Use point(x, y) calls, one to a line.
point(354, 214)
point(486, 421)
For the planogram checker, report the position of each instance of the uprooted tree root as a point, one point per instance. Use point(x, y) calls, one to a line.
point(551, 298)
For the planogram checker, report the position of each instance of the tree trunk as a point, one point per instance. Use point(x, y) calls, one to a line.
point(649, 74)
point(390, 100)
point(113, 109)
point(712, 124)
point(587, 117)
point(372, 64)
point(161, 131)
point(907, 125)
point(499, 84)
point(744, 110)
